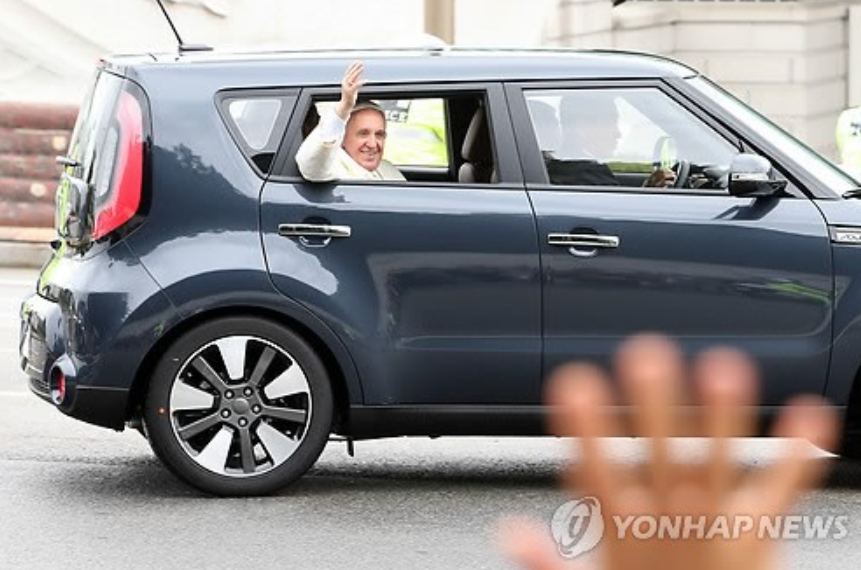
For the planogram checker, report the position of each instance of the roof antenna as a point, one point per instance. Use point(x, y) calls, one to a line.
point(183, 47)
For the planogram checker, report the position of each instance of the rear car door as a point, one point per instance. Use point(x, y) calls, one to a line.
point(432, 285)
point(692, 262)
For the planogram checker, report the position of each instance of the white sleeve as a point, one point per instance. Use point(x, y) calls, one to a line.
point(316, 156)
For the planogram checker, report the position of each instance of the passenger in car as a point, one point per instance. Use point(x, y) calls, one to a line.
point(545, 123)
point(590, 132)
point(348, 143)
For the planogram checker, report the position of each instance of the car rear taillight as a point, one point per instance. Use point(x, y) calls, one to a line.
point(58, 388)
point(120, 200)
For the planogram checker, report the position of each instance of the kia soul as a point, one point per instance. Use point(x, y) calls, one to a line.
point(239, 316)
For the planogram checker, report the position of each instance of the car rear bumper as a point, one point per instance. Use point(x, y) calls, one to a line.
point(84, 336)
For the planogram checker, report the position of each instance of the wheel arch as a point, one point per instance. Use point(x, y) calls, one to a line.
point(346, 385)
point(852, 415)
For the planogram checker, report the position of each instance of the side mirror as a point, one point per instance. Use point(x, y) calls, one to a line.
point(750, 176)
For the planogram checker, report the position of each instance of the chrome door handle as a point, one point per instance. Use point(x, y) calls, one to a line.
point(583, 240)
point(314, 230)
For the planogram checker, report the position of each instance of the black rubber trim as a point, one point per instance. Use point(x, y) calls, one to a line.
point(391, 421)
point(104, 407)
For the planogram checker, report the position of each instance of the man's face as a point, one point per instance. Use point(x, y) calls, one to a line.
point(601, 133)
point(365, 138)
point(596, 130)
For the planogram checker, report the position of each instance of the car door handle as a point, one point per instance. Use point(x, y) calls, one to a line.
point(314, 231)
point(583, 240)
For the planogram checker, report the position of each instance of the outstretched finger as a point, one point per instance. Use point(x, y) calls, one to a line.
point(580, 400)
point(726, 381)
point(353, 76)
point(354, 70)
point(650, 371)
point(776, 488)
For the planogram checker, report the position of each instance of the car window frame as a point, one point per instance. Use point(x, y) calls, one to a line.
point(502, 134)
point(800, 182)
point(532, 163)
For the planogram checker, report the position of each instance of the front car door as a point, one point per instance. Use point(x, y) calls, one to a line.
point(693, 261)
point(432, 285)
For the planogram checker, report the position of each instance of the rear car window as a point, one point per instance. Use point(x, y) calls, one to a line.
point(416, 131)
point(93, 126)
point(256, 120)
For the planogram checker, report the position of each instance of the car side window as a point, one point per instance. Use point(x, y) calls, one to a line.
point(620, 137)
point(417, 132)
point(256, 120)
point(444, 139)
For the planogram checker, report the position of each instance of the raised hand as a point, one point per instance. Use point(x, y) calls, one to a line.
point(350, 85)
point(652, 376)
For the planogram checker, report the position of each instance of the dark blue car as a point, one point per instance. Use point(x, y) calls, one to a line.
point(202, 292)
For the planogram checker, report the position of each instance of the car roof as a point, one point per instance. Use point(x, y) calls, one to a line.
point(309, 67)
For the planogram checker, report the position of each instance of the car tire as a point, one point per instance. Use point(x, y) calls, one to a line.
point(239, 406)
point(850, 445)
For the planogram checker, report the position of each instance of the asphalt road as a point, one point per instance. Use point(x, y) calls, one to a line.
point(74, 496)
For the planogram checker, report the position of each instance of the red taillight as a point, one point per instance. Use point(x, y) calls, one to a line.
point(58, 393)
point(124, 197)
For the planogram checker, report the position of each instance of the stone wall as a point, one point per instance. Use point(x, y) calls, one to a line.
point(788, 59)
point(31, 136)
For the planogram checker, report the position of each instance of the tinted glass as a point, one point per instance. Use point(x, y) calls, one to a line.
point(255, 119)
point(91, 129)
point(825, 171)
point(619, 137)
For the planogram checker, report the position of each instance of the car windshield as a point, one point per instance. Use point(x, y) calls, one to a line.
point(828, 173)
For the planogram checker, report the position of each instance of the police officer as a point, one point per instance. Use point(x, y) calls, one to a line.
point(849, 140)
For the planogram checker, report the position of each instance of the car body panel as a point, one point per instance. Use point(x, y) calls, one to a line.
point(103, 313)
point(436, 293)
point(706, 270)
point(201, 240)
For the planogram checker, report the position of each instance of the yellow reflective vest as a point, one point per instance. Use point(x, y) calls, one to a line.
point(849, 139)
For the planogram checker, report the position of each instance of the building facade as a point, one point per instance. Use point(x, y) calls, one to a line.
point(797, 61)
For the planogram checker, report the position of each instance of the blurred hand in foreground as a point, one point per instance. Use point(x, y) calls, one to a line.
point(651, 376)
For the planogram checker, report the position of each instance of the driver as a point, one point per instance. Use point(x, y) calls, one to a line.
point(590, 134)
